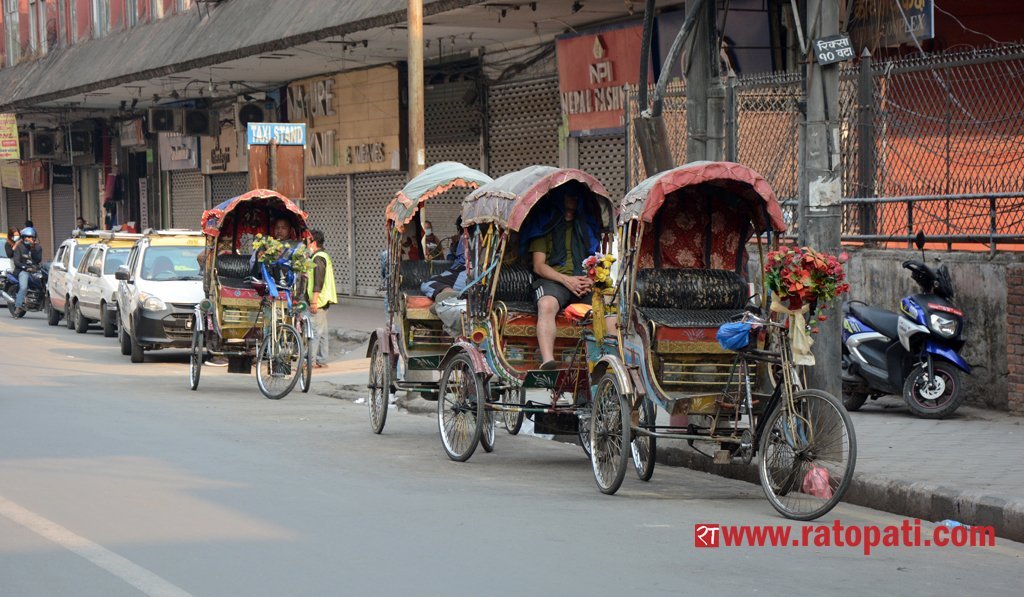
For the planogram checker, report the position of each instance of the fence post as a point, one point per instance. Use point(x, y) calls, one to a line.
point(866, 143)
point(910, 224)
point(731, 119)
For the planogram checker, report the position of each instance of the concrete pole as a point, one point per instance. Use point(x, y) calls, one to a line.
point(417, 151)
point(820, 217)
point(698, 77)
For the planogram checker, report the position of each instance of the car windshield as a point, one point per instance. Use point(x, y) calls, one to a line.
point(115, 259)
point(171, 263)
point(79, 251)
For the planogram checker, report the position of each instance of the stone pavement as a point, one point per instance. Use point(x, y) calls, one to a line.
point(968, 468)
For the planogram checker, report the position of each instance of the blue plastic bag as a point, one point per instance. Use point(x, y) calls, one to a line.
point(734, 336)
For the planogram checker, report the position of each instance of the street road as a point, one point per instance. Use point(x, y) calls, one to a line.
point(117, 480)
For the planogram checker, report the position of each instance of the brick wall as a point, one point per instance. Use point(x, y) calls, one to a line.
point(1015, 336)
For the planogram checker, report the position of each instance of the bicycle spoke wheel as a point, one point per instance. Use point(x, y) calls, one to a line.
point(807, 455)
point(644, 447)
point(195, 360)
point(306, 376)
point(487, 432)
point(460, 408)
point(513, 419)
point(609, 435)
point(379, 386)
point(279, 363)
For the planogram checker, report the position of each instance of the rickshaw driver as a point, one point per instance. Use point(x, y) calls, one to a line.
point(557, 254)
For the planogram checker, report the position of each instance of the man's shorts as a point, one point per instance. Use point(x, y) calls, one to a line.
point(564, 296)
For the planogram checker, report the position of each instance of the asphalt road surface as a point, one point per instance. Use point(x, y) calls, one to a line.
point(115, 479)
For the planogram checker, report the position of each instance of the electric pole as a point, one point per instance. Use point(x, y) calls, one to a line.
point(820, 210)
point(417, 152)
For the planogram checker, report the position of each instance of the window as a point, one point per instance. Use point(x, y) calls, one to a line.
point(79, 252)
point(11, 32)
point(171, 263)
point(115, 259)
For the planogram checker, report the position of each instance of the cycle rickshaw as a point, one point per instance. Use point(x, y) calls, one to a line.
point(249, 313)
point(486, 373)
point(683, 237)
point(406, 354)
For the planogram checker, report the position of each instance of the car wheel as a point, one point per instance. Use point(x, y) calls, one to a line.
point(107, 320)
point(138, 354)
point(69, 319)
point(81, 323)
point(52, 315)
point(126, 344)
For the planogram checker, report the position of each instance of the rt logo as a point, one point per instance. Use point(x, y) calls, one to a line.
point(705, 535)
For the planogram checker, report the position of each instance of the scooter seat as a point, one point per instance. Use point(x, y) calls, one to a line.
point(883, 322)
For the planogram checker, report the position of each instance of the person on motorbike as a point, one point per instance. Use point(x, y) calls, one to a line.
point(13, 239)
point(28, 256)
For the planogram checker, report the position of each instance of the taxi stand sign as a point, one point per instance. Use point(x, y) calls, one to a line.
point(280, 133)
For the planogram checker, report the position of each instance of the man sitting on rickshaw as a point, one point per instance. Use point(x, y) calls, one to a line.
point(558, 241)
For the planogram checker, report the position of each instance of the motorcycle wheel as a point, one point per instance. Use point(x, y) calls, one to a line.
point(935, 402)
point(852, 401)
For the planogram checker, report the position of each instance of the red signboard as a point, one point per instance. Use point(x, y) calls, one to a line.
point(593, 70)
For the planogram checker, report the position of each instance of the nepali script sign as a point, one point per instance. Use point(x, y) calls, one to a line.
point(9, 149)
point(832, 49)
point(281, 133)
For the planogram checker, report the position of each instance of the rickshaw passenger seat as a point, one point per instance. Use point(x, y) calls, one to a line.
point(515, 288)
point(690, 297)
point(415, 273)
point(232, 270)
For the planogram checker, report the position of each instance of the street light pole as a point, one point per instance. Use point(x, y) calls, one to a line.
point(417, 152)
point(820, 215)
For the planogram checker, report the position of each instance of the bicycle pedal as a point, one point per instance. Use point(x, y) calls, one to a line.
point(723, 457)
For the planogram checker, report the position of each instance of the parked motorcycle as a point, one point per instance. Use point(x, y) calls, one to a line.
point(915, 352)
point(35, 298)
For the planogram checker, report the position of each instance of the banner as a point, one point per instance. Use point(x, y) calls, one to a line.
point(9, 148)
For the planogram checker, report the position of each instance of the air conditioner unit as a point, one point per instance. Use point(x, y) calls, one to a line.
point(42, 144)
point(81, 142)
point(201, 122)
point(252, 112)
point(165, 120)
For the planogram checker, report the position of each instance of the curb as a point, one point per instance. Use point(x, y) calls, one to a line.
point(920, 499)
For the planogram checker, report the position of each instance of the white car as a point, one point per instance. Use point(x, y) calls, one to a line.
point(63, 270)
point(157, 292)
point(6, 264)
point(93, 295)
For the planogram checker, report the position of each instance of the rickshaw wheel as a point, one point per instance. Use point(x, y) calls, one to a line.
point(306, 377)
point(380, 387)
point(807, 455)
point(488, 430)
point(513, 420)
point(609, 434)
point(278, 367)
point(460, 408)
point(644, 447)
point(195, 359)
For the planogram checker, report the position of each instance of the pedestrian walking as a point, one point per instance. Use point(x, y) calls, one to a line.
point(322, 294)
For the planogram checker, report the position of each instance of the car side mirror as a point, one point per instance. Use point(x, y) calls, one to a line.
point(94, 270)
point(59, 267)
point(122, 274)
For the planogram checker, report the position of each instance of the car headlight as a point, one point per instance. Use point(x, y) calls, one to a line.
point(942, 326)
point(152, 303)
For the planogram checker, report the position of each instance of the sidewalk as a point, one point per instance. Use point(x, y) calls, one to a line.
point(968, 468)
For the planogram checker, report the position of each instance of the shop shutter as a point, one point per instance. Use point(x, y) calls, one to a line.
point(188, 199)
point(17, 208)
point(228, 186)
point(39, 211)
point(372, 193)
point(524, 118)
point(605, 157)
point(452, 123)
point(63, 211)
point(327, 205)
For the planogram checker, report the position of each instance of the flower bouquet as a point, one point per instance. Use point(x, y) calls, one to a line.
point(598, 268)
point(282, 260)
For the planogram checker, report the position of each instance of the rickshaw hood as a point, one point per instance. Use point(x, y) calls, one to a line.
point(434, 181)
point(214, 217)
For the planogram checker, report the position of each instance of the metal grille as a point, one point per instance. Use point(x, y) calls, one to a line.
point(39, 211)
point(372, 193)
point(605, 158)
point(63, 211)
point(227, 186)
point(453, 123)
point(524, 121)
point(17, 208)
point(327, 205)
point(188, 199)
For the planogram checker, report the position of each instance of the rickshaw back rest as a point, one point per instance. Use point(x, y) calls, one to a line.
point(691, 289)
point(415, 273)
point(515, 284)
point(233, 266)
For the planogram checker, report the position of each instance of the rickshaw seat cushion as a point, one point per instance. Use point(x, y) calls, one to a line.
point(233, 266)
point(415, 273)
point(691, 290)
point(515, 286)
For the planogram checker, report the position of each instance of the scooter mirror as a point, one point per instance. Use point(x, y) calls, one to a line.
point(919, 240)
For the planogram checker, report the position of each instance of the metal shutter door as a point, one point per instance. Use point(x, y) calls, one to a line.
point(39, 211)
point(63, 211)
point(188, 199)
point(524, 121)
point(605, 158)
point(372, 193)
point(227, 186)
point(17, 208)
point(327, 205)
point(451, 125)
